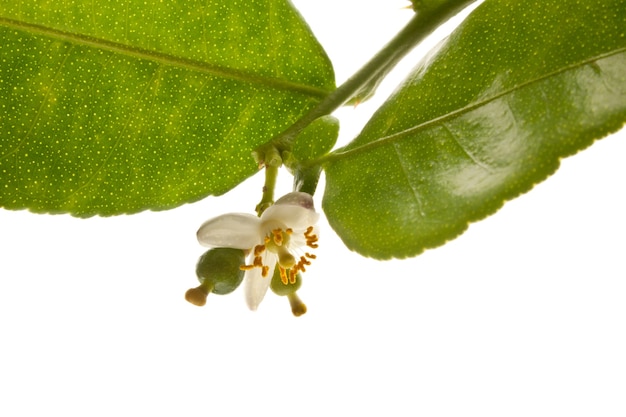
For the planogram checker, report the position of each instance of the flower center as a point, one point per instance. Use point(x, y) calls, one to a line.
point(278, 242)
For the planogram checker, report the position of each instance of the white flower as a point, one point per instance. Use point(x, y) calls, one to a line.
point(280, 237)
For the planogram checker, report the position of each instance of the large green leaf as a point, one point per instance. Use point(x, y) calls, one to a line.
point(131, 105)
point(518, 86)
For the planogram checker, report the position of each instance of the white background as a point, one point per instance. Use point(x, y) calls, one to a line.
point(522, 315)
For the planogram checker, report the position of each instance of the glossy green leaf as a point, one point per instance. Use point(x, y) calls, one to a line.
point(518, 86)
point(316, 139)
point(133, 105)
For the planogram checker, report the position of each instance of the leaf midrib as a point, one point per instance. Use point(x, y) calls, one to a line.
point(386, 140)
point(163, 58)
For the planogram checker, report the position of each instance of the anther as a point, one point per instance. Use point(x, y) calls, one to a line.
point(283, 275)
point(278, 236)
point(259, 249)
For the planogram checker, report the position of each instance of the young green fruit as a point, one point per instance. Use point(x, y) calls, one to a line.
point(289, 289)
point(219, 272)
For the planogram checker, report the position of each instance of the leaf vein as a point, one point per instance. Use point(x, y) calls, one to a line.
point(414, 192)
point(466, 151)
point(165, 58)
point(465, 109)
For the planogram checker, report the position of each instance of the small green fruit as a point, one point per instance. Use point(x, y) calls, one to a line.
point(279, 288)
point(219, 270)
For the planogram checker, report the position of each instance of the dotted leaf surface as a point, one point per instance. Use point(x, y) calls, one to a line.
point(121, 106)
point(517, 87)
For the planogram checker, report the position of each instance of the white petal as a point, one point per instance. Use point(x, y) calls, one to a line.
point(295, 217)
point(234, 230)
point(256, 285)
point(297, 198)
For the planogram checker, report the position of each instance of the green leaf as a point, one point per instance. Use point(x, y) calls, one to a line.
point(518, 86)
point(135, 105)
point(316, 139)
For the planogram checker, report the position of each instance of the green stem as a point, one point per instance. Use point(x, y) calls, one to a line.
point(271, 174)
point(418, 28)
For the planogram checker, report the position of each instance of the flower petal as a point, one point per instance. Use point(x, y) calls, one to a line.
point(234, 230)
point(294, 212)
point(297, 198)
point(256, 285)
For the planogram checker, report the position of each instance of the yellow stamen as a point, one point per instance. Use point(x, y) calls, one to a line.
point(259, 249)
point(258, 261)
point(283, 275)
point(278, 236)
point(311, 238)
